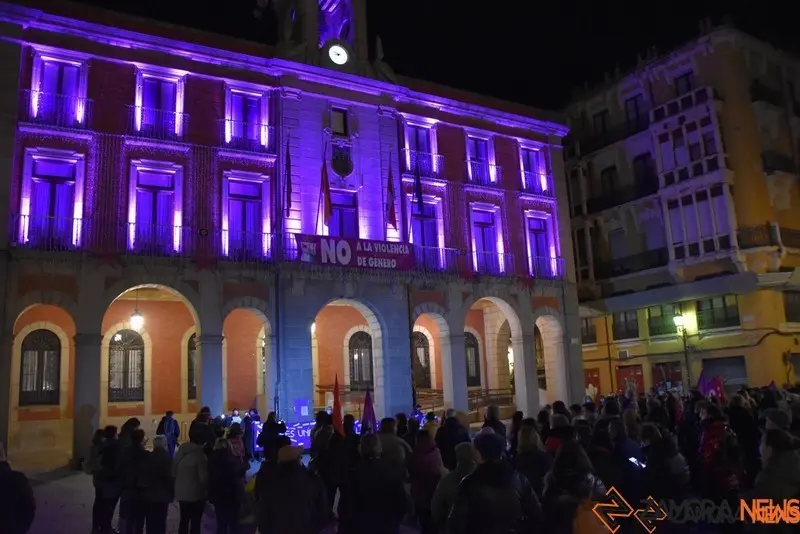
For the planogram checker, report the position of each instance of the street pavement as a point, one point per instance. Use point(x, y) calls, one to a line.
point(64, 506)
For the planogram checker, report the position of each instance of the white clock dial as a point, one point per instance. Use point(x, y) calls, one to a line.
point(338, 54)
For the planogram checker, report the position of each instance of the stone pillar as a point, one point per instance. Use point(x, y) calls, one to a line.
point(6, 341)
point(493, 319)
point(454, 373)
point(526, 382)
point(86, 404)
point(211, 373)
point(270, 375)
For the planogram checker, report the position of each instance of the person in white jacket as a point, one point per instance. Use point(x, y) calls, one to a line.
point(190, 470)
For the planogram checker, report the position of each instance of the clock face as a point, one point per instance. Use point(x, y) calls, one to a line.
point(338, 54)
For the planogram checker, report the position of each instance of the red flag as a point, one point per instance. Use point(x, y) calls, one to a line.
point(719, 387)
point(337, 408)
point(288, 172)
point(390, 198)
point(325, 189)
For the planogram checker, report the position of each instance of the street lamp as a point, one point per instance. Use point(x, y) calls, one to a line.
point(680, 326)
point(137, 320)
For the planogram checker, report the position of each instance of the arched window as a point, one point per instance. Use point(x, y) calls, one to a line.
point(538, 347)
point(422, 360)
point(360, 361)
point(191, 366)
point(126, 367)
point(472, 352)
point(40, 369)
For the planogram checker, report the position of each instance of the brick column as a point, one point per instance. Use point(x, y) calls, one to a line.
point(211, 373)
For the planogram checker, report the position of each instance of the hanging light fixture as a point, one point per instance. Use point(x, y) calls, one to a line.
point(137, 320)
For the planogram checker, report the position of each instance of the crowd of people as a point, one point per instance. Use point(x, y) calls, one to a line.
point(541, 474)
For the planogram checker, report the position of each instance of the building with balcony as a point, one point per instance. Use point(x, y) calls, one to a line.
point(198, 221)
point(683, 190)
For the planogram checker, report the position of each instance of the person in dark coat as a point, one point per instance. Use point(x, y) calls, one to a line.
point(225, 486)
point(91, 466)
point(665, 475)
point(516, 424)
point(425, 467)
point(269, 433)
point(492, 420)
point(450, 434)
point(372, 499)
point(17, 503)
point(248, 425)
point(495, 497)
point(129, 464)
point(531, 459)
point(203, 426)
point(108, 478)
point(744, 425)
point(169, 428)
point(289, 498)
point(158, 485)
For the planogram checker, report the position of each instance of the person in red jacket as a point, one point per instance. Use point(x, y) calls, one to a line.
point(718, 466)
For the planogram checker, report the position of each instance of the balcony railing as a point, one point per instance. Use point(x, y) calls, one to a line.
point(435, 259)
point(760, 92)
point(646, 187)
point(661, 326)
point(624, 331)
point(774, 162)
point(547, 268)
point(717, 318)
point(632, 264)
point(683, 103)
point(246, 136)
point(484, 173)
point(596, 141)
point(790, 237)
point(493, 263)
point(425, 164)
point(245, 247)
point(764, 235)
point(538, 184)
point(156, 240)
point(62, 111)
point(157, 124)
point(695, 169)
point(49, 234)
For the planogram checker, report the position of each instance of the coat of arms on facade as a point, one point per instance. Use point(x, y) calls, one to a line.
point(342, 159)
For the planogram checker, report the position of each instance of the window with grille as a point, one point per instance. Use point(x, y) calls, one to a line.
point(472, 352)
point(360, 347)
point(661, 319)
point(422, 361)
point(588, 331)
point(191, 366)
point(126, 367)
point(626, 325)
point(718, 312)
point(538, 346)
point(40, 369)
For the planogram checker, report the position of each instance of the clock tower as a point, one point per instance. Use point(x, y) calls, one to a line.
point(328, 33)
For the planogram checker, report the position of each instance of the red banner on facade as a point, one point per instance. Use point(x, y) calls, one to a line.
point(364, 253)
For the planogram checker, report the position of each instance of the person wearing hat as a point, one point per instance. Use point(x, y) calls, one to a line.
point(445, 494)
point(494, 497)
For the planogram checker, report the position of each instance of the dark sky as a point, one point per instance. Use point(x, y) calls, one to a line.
point(529, 51)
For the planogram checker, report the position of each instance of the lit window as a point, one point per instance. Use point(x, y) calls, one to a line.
point(339, 124)
point(40, 369)
point(126, 367)
point(245, 215)
point(155, 215)
point(344, 215)
point(472, 352)
point(58, 90)
point(360, 349)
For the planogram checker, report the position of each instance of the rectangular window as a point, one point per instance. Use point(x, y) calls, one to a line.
point(791, 305)
point(661, 319)
point(684, 83)
point(574, 190)
point(344, 217)
point(718, 312)
point(635, 111)
point(339, 124)
point(420, 157)
point(618, 243)
point(155, 205)
point(539, 242)
point(608, 180)
point(644, 171)
point(626, 325)
point(484, 236)
point(51, 222)
point(245, 117)
point(588, 331)
point(159, 104)
point(699, 223)
point(425, 234)
point(478, 155)
point(581, 248)
point(59, 97)
point(534, 170)
point(245, 221)
point(601, 122)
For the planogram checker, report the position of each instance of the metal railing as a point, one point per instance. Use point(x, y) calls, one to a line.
point(428, 165)
point(493, 263)
point(764, 235)
point(246, 136)
point(599, 140)
point(538, 184)
point(245, 246)
point(661, 326)
point(717, 318)
point(435, 259)
point(158, 124)
point(646, 187)
point(63, 111)
point(51, 234)
point(547, 268)
point(479, 399)
point(484, 173)
point(635, 263)
point(156, 240)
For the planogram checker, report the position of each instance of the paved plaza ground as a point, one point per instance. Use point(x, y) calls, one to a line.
point(64, 506)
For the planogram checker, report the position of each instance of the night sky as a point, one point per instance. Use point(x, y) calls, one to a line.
point(529, 51)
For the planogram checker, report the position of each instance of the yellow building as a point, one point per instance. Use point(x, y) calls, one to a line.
point(685, 202)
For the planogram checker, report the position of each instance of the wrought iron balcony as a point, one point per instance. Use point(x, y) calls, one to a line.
point(645, 186)
point(47, 234)
point(538, 184)
point(759, 92)
point(435, 259)
point(156, 240)
point(243, 246)
point(157, 124)
point(764, 235)
point(599, 140)
point(717, 318)
point(790, 237)
point(426, 164)
point(774, 162)
point(493, 263)
point(683, 103)
point(632, 264)
point(62, 111)
point(695, 169)
point(246, 136)
point(547, 268)
point(484, 173)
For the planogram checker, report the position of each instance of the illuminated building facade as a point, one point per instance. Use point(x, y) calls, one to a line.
point(194, 220)
point(683, 185)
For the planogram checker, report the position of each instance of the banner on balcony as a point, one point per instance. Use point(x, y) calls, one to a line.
point(365, 253)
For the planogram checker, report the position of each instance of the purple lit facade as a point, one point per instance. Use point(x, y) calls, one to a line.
point(150, 161)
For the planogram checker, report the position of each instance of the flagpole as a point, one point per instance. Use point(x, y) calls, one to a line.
point(383, 193)
point(319, 200)
point(404, 235)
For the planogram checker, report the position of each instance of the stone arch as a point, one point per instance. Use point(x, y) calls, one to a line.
point(431, 344)
point(346, 350)
point(104, 364)
point(188, 295)
point(549, 322)
point(254, 304)
point(430, 308)
point(264, 348)
point(33, 298)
